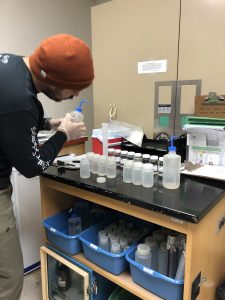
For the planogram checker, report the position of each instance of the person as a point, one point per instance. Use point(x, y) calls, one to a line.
point(60, 67)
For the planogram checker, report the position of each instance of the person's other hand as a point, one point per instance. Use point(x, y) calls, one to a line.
point(55, 123)
point(72, 130)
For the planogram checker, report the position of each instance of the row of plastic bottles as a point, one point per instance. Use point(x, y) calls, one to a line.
point(97, 164)
point(135, 172)
point(117, 237)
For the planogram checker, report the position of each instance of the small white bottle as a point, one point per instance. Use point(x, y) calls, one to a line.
point(127, 171)
point(104, 242)
point(85, 167)
point(94, 164)
point(143, 255)
point(100, 234)
point(171, 168)
point(137, 173)
point(101, 167)
point(115, 248)
point(76, 116)
point(147, 175)
point(111, 171)
point(74, 225)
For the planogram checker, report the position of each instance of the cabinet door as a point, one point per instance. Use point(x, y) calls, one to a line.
point(124, 33)
point(62, 280)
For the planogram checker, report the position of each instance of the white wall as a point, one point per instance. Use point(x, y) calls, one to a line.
point(24, 23)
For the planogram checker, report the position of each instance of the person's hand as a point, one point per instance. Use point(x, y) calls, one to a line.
point(72, 130)
point(55, 123)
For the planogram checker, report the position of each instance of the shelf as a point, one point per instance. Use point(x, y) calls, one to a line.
point(124, 280)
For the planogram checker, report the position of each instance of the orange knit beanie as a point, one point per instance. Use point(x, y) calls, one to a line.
point(63, 61)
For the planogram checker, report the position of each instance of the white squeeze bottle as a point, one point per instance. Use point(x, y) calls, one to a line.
point(171, 168)
point(76, 115)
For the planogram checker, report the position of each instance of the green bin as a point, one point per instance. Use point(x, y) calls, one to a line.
point(121, 294)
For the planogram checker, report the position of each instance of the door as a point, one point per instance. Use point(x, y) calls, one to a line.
point(61, 279)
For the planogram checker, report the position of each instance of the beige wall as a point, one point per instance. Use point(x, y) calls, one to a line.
point(127, 31)
point(24, 23)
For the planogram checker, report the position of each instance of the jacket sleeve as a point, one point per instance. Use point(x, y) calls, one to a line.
point(18, 138)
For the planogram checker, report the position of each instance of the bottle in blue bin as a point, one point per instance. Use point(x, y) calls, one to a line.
point(74, 225)
point(81, 208)
point(143, 255)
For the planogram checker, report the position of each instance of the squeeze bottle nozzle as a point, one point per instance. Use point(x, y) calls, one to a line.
point(76, 115)
point(172, 147)
point(79, 107)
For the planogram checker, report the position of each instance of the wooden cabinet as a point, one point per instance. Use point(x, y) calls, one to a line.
point(204, 247)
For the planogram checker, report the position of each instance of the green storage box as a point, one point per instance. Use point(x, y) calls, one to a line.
point(121, 294)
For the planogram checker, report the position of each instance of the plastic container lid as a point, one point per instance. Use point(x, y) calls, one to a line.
point(118, 151)
point(101, 179)
point(137, 155)
point(154, 157)
point(161, 158)
point(143, 249)
point(146, 155)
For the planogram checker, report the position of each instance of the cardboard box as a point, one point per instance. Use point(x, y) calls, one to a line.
point(211, 110)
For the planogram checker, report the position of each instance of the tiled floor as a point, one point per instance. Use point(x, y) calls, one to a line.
point(32, 286)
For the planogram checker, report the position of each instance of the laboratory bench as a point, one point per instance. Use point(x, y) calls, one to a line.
point(196, 209)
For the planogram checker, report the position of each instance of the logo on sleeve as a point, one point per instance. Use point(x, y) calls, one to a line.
point(4, 58)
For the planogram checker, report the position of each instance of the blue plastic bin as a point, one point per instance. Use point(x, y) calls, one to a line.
point(153, 281)
point(113, 263)
point(56, 228)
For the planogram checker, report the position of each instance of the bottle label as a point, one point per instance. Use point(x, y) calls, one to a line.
point(93, 246)
point(146, 270)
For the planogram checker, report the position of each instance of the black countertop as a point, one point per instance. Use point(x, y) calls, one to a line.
point(191, 202)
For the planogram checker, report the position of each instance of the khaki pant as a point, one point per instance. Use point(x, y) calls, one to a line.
point(11, 259)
